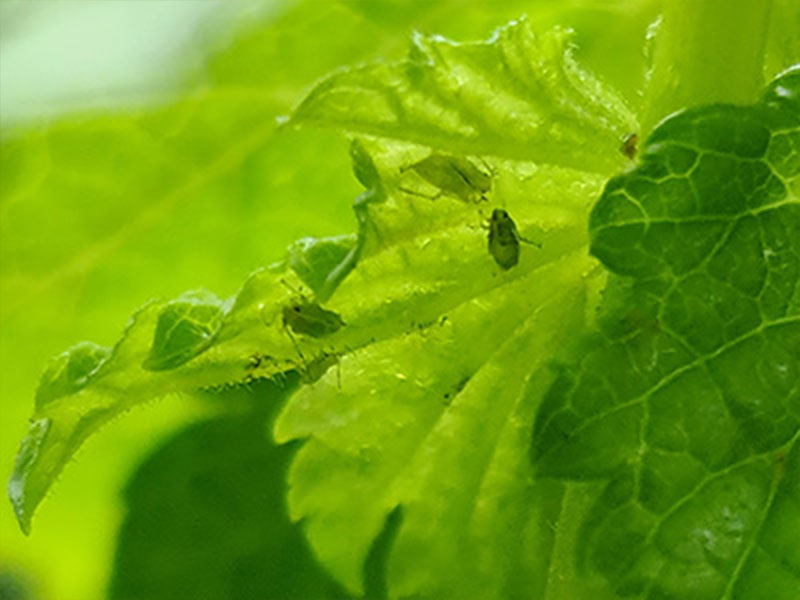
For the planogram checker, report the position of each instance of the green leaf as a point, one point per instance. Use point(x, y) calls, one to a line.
point(427, 298)
point(70, 371)
point(428, 353)
point(519, 95)
point(434, 414)
point(783, 43)
point(186, 327)
point(315, 260)
point(206, 515)
point(166, 348)
point(101, 212)
point(688, 402)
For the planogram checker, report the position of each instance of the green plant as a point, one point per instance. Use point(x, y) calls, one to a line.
point(620, 422)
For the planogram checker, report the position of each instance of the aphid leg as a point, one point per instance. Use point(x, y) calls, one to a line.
point(339, 365)
point(436, 196)
point(291, 288)
point(486, 222)
point(279, 377)
point(527, 241)
point(295, 344)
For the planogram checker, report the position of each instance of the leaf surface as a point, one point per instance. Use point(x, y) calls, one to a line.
point(688, 402)
point(426, 307)
point(430, 365)
point(433, 415)
point(520, 95)
point(99, 212)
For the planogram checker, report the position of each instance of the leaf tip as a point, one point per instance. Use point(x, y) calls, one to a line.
point(22, 498)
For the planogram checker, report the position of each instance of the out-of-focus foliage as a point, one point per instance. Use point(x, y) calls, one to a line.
point(207, 518)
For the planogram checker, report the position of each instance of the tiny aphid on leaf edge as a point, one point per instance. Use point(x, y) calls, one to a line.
point(306, 317)
point(628, 146)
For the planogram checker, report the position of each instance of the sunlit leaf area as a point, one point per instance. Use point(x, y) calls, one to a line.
point(396, 299)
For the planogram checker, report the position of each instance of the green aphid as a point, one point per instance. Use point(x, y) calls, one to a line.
point(504, 239)
point(455, 176)
point(628, 146)
point(313, 370)
point(305, 317)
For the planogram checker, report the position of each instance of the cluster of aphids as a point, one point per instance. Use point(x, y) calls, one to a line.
point(454, 176)
point(461, 178)
point(310, 371)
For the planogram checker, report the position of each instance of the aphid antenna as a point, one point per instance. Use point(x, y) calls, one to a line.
point(291, 288)
point(487, 166)
point(523, 239)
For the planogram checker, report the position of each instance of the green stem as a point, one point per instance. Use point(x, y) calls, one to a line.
point(706, 51)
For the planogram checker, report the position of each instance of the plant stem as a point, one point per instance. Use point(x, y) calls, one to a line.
point(706, 51)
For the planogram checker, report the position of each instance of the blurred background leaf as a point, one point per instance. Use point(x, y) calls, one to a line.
point(207, 516)
point(139, 158)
